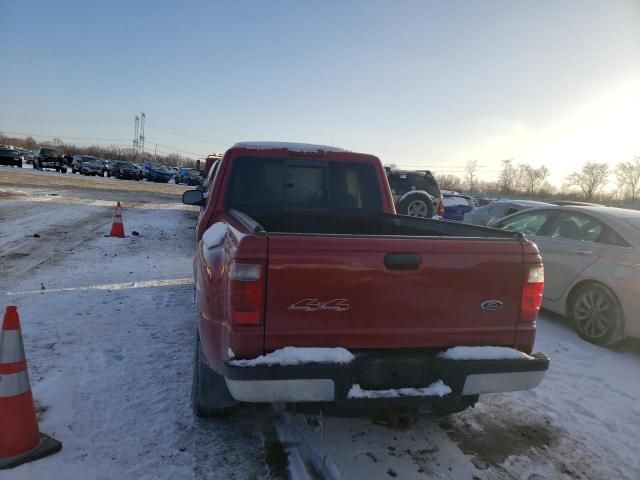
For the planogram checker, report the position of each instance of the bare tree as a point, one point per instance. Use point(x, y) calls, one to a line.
point(546, 189)
point(471, 174)
point(533, 178)
point(590, 179)
point(628, 178)
point(449, 181)
point(509, 178)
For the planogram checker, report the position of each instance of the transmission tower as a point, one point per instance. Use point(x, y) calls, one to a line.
point(141, 138)
point(135, 134)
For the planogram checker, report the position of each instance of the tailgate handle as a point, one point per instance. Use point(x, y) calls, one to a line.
point(402, 261)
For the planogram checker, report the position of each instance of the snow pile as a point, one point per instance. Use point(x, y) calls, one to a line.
point(214, 235)
point(436, 389)
point(483, 353)
point(298, 356)
point(294, 147)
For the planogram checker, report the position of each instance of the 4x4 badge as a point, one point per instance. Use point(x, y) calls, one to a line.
point(313, 305)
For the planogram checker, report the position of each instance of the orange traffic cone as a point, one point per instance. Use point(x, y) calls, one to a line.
point(20, 438)
point(117, 228)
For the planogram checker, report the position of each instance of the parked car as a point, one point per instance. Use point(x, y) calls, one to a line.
point(86, 165)
point(158, 174)
point(490, 214)
point(456, 206)
point(309, 288)
point(415, 193)
point(482, 201)
point(31, 156)
point(189, 176)
point(126, 171)
point(591, 256)
point(10, 157)
point(111, 165)
point(50, 158)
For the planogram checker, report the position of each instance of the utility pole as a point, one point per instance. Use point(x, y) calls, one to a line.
point(156, 154)
point(141, 138)
point(135, 134)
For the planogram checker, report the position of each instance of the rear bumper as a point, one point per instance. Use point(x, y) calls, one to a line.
point(375, 372)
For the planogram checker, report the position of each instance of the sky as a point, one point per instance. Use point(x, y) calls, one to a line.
point(421, 84)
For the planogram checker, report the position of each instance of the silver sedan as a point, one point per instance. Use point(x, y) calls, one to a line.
point(490, 214)
point(591, 257)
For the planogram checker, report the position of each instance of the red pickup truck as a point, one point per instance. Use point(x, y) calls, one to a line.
point(310, 289)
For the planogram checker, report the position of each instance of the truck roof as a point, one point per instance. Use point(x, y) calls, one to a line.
point(291, 146)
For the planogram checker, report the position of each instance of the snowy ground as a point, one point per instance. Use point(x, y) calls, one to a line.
point(108, 329)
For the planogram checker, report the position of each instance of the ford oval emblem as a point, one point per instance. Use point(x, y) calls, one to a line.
point(491, 305)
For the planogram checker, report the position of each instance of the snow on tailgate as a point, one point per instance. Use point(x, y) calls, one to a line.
point(483, 353)
point(298, 356)
point(436, 389)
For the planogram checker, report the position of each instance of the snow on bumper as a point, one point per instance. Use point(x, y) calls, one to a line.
point(381, 371)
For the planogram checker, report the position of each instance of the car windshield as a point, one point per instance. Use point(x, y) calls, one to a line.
point(8, 152)
point(634, 222)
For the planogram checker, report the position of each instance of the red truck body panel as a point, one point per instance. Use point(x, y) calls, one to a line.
point(436, 305)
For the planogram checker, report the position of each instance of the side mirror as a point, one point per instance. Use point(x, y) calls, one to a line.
point(193, 197)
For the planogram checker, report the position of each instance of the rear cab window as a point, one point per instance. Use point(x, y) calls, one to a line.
point(303, 185)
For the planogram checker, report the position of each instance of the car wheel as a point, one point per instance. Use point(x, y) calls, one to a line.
point(596, 314)
point(417, 205)
point(210, 396)
point(63, 170)
point(39, 165)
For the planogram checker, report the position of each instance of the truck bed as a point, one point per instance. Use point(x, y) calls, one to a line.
point(387, 281)
point(362, 224)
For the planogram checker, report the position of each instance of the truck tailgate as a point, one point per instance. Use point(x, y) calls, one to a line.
point(379, 292)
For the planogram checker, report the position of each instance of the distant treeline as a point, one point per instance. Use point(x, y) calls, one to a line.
point(593, 182)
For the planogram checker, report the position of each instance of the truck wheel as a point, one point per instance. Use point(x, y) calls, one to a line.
point(63, 170)
point(39, 165)
point(596, 314)
point(417, 205)
point(209, 394)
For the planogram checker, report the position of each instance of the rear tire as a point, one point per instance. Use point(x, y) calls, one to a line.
point(209, 394)
point(596, 314)
point(417, 205)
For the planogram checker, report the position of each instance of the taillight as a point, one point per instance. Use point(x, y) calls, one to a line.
point(532, 294)
point(441, 208)
point(247, 293)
